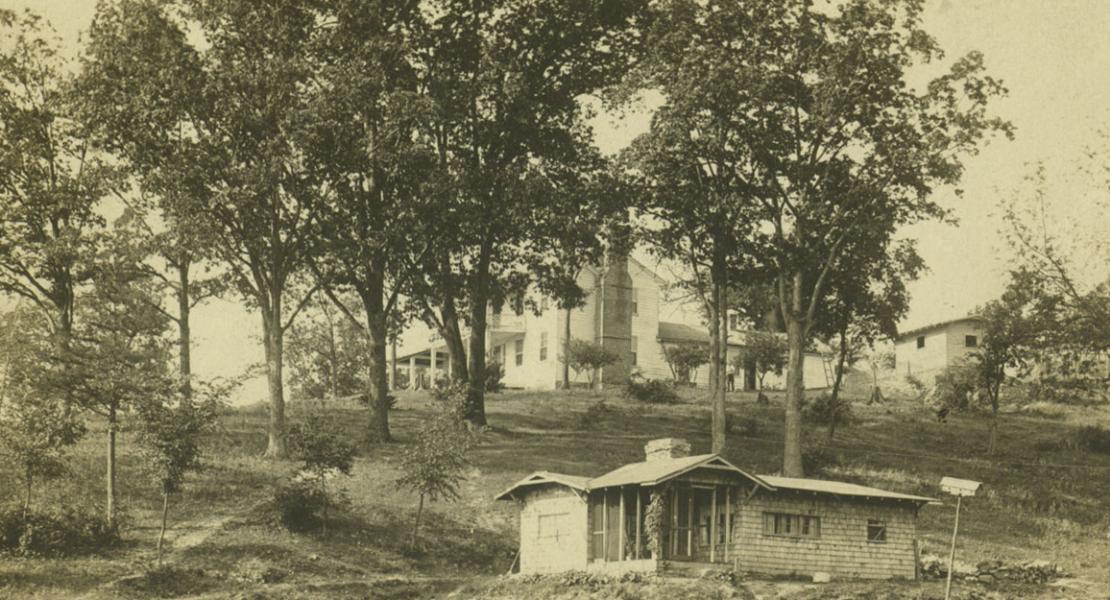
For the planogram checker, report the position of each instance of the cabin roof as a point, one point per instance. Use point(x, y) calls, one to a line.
point(546, 477)
point(938, 325)
point(656, 471)
point(838, 488)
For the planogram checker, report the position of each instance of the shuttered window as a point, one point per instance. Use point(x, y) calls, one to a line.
point(787, 525)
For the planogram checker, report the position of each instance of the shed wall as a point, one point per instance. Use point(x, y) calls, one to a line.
point(544, 549)
point(842, 549)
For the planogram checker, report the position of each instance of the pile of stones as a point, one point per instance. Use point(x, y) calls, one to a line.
point(989, 571)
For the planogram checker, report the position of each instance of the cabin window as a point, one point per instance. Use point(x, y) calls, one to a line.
point(519, 352)
point(543, 346)
point(551, 527)
point(786, 525)
point(876, 530)
point(920, 341)
point(971, 341)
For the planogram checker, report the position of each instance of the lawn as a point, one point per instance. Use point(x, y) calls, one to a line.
point(1042, 501)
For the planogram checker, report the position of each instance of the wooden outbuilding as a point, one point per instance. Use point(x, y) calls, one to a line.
point(675, 512)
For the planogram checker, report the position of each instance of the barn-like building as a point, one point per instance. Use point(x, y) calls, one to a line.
point(675, 512)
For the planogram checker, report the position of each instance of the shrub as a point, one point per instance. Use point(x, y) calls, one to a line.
point(818, 459)
point(822, 410)
point(593, 415)
point(65, 531)
point(915, 383)
point(588, 357)
point(650, 391)
point(1091, 438)
point(300, 505)
point(325, 454)
point(494, 373)
point(955, 387)
point(685, 359)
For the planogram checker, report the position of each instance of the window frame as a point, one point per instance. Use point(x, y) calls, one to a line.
point(635, 344)
point(876, 531)
point(556, 519)
point(543, 346)
point(518, 350)
point(971, 341)
point(635, 302)
point(920, 342)
point(791, 525)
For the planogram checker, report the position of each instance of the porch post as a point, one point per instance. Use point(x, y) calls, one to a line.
point(605, 525)
point(690, 523)
point(674, 521)
point(728, 520)
point(713, 529)
point(639, 518)
point(432, 369)
point(620, 532)
point(412, 373)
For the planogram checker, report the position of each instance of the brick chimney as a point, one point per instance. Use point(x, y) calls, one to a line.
point(665, 448)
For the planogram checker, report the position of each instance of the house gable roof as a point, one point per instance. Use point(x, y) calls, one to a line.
point(654, 472)
point(918, 330)
point(838, 488)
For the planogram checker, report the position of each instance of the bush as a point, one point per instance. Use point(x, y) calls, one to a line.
point(65, 531)
point(955, 387)
point(650, 391)
point(1091, 438)
point(300, 505)
point(818, 459)
point(494, 373)
point(593, 415)
point(822, 410)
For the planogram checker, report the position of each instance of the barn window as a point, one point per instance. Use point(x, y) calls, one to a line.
point(551, 527)
point(785, 525)
point(543, 346)
point(519, 352)
point(920, 341)
point(876, 530)
point(971, 341)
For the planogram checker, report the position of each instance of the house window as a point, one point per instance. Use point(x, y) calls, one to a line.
point(635, 301)
point(551, 527)
point(543, 305)
point(876, 530)
point(543, 346)
point(498, 354)
point(797, 526)
point(519, 352)
point(635, 349)
point(734, 322)
point(971, 341)
point(920, 341)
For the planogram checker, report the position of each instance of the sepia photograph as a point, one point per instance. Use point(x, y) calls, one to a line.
point(555, 299)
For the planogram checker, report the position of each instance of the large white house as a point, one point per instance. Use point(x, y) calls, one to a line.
point(623, 312)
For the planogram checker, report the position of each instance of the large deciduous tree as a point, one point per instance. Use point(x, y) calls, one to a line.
point(224, 88)
point(827, 136)
point(505, 81)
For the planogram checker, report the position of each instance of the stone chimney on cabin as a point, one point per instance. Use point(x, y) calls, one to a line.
point(665, 448)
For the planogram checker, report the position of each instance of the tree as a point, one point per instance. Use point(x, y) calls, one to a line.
point(326, 352)
point(684, 360)
point(51, 179)
point(36, 427)
point(766, 352)
point(118, 357)
point(170, 436)
point(588, 357)
point(1010, 331)
point(233, 108)
point(825, 135)
point(506, 81)
point(325, 454)
point(878, 359)
point(433, 465)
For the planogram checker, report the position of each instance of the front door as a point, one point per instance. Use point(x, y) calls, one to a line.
point(710, 518)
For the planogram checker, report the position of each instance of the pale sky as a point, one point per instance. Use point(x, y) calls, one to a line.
point(1053, 55)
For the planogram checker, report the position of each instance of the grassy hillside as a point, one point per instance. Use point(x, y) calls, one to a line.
point(1042, 501)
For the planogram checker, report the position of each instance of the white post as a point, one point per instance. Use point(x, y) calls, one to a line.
point(621, 522)
point(728, 519)
point(952, 552)
point(639, 518)
point(713, 529)
point(412, 373)
point(432, 369)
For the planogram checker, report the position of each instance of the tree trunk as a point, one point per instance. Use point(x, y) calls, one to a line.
point(452, 336)
point(416, 524)
point(566, 350)
point(479, 300)
point(184, 310)
point(110, 509)
point(324, 521)
point(162, 531)
point(276, 447)
point(29, 481)
point(719, 357)
point(373, 300)
point(993, 438)
point(834, 396)
point(795, 394)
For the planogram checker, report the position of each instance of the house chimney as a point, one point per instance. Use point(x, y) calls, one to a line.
point(665, 448)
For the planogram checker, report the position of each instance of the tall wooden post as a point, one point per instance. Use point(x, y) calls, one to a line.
point(620, 524)
point(728, 520)
point(952, 552)
point(605, 525)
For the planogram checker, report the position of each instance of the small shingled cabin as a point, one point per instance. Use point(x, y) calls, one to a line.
point(676, 512)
